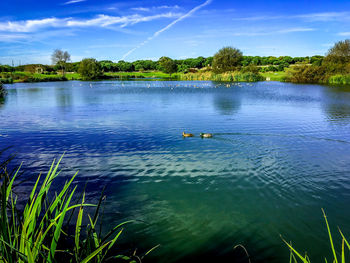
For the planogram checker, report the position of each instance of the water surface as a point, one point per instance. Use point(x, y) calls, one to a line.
point(280, 153)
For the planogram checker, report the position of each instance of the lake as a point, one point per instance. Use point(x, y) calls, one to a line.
point(280, 152)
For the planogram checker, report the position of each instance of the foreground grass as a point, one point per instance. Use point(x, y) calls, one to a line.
point(40, 231)
point(338, 256)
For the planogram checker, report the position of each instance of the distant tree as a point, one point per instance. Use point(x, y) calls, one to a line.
point(339, 53)
point(60, 58)
point(167, 65)
point(90, 69)
point(227, 59)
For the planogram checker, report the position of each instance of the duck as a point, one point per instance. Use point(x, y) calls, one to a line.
point(206, 135)
point(187, 134)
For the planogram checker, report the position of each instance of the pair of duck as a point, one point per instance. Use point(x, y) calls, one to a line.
point(203, 135)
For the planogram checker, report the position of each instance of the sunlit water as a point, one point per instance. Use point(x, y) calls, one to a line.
point(279, 154)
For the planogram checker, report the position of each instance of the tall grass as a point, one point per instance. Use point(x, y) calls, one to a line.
point(338, 256)
point(340, 79)
point(228, 76)
point(39, 232)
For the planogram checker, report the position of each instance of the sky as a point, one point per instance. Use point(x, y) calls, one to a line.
point(130, 30)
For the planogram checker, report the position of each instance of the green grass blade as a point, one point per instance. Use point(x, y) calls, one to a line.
point(93, 254)
point(78, 229)
point(346, 242)
point(296, 252)
point(330, 237)
point(57, 232)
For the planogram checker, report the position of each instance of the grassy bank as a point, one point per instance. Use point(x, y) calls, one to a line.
point(228, 76)
point(283, 76)
point(274, 76)
point(133, 75)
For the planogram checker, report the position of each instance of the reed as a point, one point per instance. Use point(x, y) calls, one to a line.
point(40, 231)
point(340, 79)
point(234, 76)
point(338, 256)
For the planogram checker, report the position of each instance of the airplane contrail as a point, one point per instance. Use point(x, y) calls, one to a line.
point(167, 27)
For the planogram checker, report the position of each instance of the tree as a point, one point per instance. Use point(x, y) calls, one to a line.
point(90, 69)
point(167, 65)
point(339, 53)
point(227, 59)
point(60, 58)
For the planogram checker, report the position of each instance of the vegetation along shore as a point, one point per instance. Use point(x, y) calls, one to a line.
point(228, 64)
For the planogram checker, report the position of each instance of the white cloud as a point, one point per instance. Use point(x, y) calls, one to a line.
point(143, 9)
point(98, 21)
point(311, 17)
point(73, 2)
point(344, 34)
point(190, 13)
point(148, 9)
point(12, 37)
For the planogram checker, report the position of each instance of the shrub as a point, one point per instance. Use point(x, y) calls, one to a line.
point(307, 74)
point(90, 69)
point(227, 59)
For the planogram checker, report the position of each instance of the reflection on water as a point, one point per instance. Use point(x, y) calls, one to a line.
point(227, 105)
point(64, 98)
point(266, 172)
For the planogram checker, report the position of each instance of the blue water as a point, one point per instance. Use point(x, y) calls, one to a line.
point(279, 154)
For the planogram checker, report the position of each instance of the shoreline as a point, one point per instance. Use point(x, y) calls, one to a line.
point(342, 80)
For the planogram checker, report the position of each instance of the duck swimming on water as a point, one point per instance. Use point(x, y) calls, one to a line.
point(187, 134)
point(206, 135)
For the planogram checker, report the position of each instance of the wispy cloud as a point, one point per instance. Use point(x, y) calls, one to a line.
point(344, 34)
point(73, 2)
point(156, 34)
point(252, 32)
point(148, 9)
point(12, 37)
point(311, 17)
point(98, 21)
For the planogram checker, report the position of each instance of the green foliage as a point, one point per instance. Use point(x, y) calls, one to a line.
point(227, 59)
point(340, 257)
point(2, 91)
point(307, 74)
point(235, 76)
point(340, 79)
point(339, 53)
point(167, 65)
point(40, 231)
point(90, 69)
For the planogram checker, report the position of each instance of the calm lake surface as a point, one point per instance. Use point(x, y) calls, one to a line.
point(279, 154)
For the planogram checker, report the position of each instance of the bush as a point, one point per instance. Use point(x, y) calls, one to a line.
point(227, 59)
point(2, 91)
point(90, 69)
point(340, 79)
point(307, 74)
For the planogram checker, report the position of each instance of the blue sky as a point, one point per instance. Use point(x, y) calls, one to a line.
point(131, 30)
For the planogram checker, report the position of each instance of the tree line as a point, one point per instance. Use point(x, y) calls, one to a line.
point(314, 69)
point(180, 65)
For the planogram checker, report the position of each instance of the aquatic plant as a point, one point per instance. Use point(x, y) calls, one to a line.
point(340, 79)
point(296, 257)
point(41, 231)
point(234, 76)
